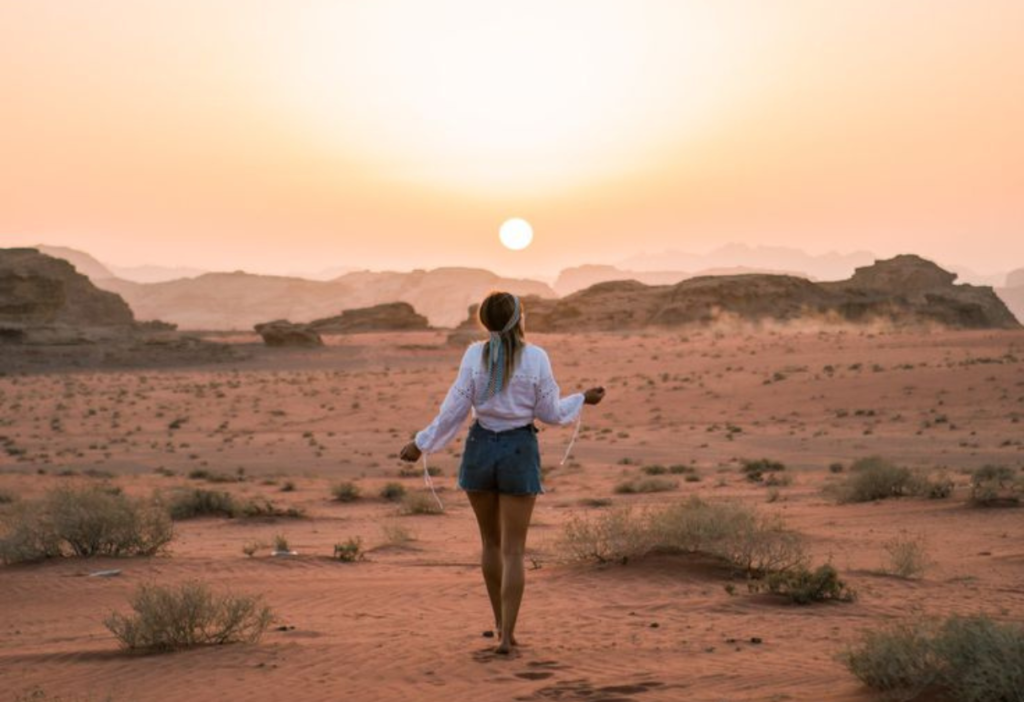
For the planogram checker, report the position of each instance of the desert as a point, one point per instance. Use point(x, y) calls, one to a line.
point(406, 620)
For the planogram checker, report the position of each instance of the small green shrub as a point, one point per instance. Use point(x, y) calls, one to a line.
point(655, 470)
point(803, 586)
point(643, 485)
point(346, 492)
point(350, 551)
point(190, 615)
point(755, 470)
point(393, 492)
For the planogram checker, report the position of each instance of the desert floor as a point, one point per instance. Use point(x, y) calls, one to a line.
point(407, 622)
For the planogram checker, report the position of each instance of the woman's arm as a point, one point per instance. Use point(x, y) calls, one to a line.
point(454, 409)
point(551, 407)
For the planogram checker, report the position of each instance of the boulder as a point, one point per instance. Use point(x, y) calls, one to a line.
point(392, 316)
point(281, 333)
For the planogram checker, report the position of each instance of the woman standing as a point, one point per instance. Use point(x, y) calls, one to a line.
point(507, 384)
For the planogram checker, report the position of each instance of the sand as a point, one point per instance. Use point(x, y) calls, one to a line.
point(407, 621)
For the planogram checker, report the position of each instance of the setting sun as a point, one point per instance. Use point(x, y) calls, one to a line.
point(516, 234)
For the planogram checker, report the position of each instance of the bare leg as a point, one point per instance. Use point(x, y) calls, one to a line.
point(514, 512)
point(485, 506)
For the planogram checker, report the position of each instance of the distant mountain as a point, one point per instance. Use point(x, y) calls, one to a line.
point(84, 263)
point(239, 300)
point(829, 266)
point(905, 290)
point(572, 279)
point(155, 274)
point(1013, 293)
point(1015, 279)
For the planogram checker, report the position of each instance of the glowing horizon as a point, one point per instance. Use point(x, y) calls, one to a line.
point(397, 134)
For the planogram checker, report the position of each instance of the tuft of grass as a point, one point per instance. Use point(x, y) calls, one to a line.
point(420, 503)
point(7, 497)
point(393, 492)
point(966, 659)
point(643, 485)
point(190, 503)
point(875, 478)
point(350, 551)
point(189, 615)
point(654, 470)
point(346, 492)
point(754, 471)
point(395, 534)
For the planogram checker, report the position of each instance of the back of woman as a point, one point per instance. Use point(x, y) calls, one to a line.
point(506, 384)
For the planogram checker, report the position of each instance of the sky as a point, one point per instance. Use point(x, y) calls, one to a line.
point(297, 136)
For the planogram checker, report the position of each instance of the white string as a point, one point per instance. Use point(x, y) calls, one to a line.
point(430, 482)
point(575, 433)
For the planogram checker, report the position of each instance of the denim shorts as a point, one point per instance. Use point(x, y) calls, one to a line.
point(501, 461)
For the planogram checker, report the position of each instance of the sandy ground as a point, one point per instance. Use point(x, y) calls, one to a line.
point(406, 623)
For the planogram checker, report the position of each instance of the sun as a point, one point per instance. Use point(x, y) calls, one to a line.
point(516, 234)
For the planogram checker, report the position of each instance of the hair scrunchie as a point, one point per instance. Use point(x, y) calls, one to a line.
point(496, 379)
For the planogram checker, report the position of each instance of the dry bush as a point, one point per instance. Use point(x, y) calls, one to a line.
point(191, 503)
point(907, 556)
point(732, 532)
point(89, 521)
point(875, 478)
point(972, 659)
point(993, 486)
point(346, 492)
point(393, 492)
point(803, 586)
point(173, 618)
point(262, 508)
point(395, 534)
point(7, 497)
point(643, 485)
point(420, 503)
point(755, 470)
point(350, 551)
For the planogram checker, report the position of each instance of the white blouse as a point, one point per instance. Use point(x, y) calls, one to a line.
point(531, 393)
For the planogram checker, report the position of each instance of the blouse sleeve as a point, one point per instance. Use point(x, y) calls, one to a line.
point(454, 409)
point(551, 407)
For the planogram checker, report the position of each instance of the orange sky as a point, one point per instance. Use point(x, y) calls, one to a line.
point(251, 134)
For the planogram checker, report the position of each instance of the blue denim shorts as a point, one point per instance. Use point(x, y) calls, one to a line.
point(501, 461)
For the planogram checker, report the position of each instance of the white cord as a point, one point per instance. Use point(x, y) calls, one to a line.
point(430, 482)
point(575, 433)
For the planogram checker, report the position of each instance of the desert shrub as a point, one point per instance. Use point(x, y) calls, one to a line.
point(907, 556)
point(995, 485)
point(281, 544)
point(7, 497)
point(731, 532)
point(346, 492)
point(755, 470)
point(875, 478)
point(641, 485)
point(173, 618)
point(262, 508)
point(90, 521)
point(655, 470)
point(937, 489)
point(393, 492)
point(596, 501)
point(835, 467)
point(288, 486)
point(614, 536)
point(350, 551)
point(197, 502)
point(212, 476)
point(972, 659)
point(420, 503)
point(803, 586)
point(395, 534)
point(681, 468)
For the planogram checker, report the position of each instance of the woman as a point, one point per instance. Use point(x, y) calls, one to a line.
point(507, 383)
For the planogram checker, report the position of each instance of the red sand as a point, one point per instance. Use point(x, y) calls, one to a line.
point(406, 623)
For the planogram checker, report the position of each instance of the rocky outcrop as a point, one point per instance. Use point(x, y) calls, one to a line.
point(393, 316)
point(906, 290)
point(282, 333)
point(45, 296)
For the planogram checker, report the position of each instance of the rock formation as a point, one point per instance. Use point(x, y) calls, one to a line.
point(391, 316)
point(282, 333)
point(45, 296)
point(905, 290)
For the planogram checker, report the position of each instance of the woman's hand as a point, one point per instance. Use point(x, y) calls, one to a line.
point(593, 396)
point(410, 452)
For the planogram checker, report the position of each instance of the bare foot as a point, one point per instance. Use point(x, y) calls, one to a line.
point(504, 648)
